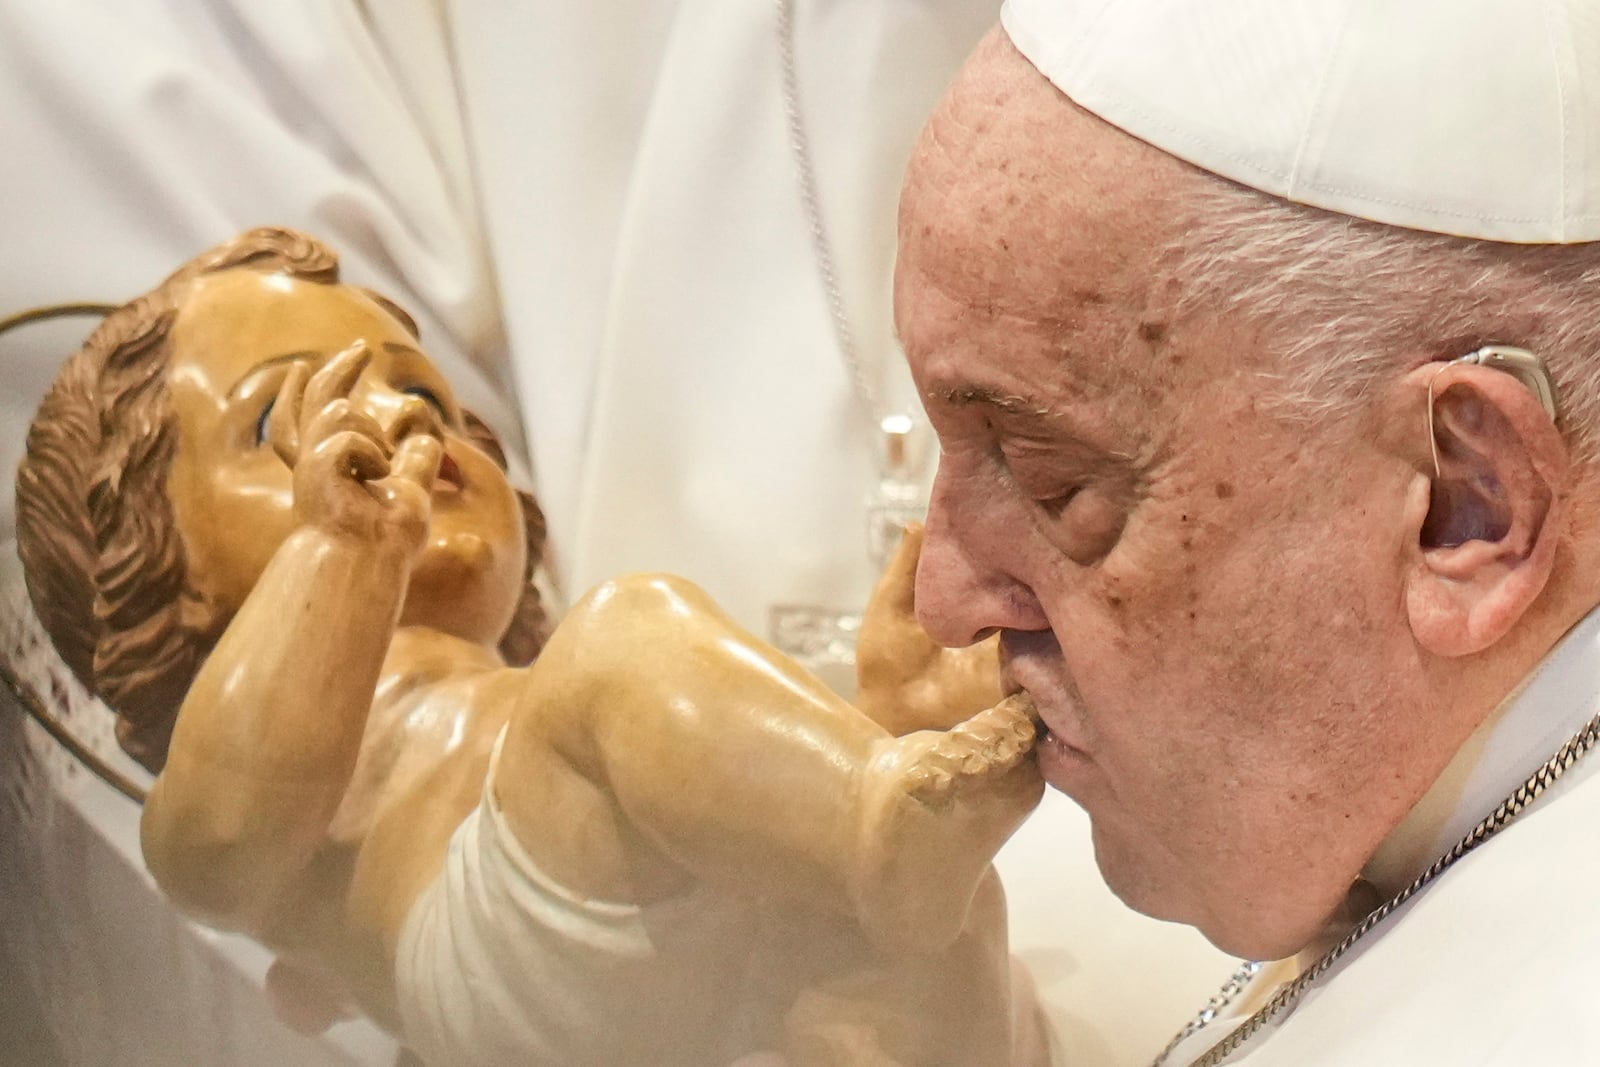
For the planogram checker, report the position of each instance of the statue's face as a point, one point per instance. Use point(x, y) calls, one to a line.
point(236, 335)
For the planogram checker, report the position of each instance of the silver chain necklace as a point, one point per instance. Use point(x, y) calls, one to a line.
point(866, 394)
point(1529, 791)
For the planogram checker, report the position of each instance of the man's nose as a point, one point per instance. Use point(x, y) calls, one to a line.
point(964, 590)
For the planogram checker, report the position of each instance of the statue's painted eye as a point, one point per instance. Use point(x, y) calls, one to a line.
point(429, 397)
point(261, 423)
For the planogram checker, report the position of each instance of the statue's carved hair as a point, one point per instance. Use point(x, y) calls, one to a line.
point(101, 552)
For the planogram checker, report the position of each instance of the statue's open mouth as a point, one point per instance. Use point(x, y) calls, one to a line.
point(449, 479)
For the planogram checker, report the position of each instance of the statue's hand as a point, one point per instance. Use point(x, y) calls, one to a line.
point(905, 681)
point(351, 476)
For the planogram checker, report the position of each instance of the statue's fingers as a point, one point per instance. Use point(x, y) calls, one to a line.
point(893, 650)
point(416, 460)
point(353, 455)
point(283, 423)
point(416, 417)
point(894, 597)
point(341, 416)
point(337, 377)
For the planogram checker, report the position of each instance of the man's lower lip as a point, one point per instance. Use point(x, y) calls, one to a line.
point(1055, 754)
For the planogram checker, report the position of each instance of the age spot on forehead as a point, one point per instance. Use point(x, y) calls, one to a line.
point(1152, 333)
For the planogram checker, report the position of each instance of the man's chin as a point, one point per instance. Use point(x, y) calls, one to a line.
point(1242, 928)
point(1146, 884)
point(1129, 876)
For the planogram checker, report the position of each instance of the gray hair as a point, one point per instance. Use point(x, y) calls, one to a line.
point(1345, 302)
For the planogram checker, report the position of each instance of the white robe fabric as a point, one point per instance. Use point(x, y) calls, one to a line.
point(1497, 961)
point(682, 387)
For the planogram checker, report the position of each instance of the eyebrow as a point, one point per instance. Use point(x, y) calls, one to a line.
point(397, 348)
point(1010, 403)
point(287, 357)
point(1022, 407)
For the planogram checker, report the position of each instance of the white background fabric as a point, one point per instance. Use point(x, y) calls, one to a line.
point(681, 383)
point(139, 133)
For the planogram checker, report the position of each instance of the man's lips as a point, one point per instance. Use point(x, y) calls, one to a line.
point(1019, 674)
point(1008, 680)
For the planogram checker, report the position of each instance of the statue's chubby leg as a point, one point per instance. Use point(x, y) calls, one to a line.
point(657, 742)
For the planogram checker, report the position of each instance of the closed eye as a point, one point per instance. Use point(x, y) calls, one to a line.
point(1054, 506)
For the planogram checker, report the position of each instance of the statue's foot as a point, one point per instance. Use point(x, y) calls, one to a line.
point(940, 766)
point(936, 808)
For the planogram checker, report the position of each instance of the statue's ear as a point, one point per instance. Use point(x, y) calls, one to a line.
point(480, 433)
point(530, 623)
point(1484, 523)
point(201, 617)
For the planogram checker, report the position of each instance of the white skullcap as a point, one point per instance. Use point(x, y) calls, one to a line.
point(1472, 117)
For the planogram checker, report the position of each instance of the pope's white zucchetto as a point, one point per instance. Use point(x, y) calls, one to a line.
point(1479, 118)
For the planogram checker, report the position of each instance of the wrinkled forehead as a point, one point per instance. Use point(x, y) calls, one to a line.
point(1030, 226)
point(1008, 167)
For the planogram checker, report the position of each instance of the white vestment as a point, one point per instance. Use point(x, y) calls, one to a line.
point(685, 397)
point(1498, 960)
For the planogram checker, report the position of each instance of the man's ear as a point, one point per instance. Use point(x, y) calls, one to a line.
point(1485, 525)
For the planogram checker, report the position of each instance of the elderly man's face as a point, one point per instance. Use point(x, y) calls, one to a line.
point(1203, 598)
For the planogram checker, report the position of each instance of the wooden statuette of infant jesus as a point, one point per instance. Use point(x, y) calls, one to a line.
point(661, 843)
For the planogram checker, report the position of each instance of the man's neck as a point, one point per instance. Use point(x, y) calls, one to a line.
point(1546, 708)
